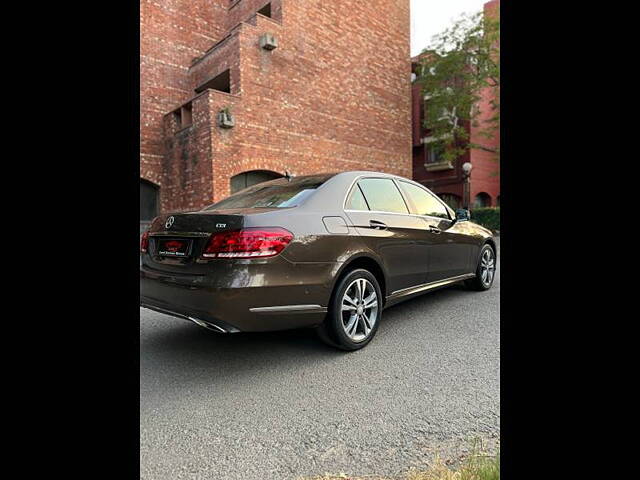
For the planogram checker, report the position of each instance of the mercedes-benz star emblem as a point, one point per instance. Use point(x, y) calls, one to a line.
point(169, 222)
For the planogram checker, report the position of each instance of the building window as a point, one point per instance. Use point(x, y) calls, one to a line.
point(266, 10)
point(220, 82)
point(435, 152)
point(187, 115)
point(482, 200)
point(183, 117)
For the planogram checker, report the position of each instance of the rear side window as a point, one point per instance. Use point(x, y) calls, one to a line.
point(423, 202)
point(356, 200)
point(382, 195)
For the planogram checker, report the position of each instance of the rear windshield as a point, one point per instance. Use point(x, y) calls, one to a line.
point(275, 194)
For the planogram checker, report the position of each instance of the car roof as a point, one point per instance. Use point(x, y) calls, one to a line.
point(332, 194)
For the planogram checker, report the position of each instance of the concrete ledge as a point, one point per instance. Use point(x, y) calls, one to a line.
point(436, 167)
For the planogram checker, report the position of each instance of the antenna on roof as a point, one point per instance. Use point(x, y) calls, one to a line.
point(288, 175)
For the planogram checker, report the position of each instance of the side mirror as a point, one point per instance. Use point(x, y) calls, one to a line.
point(462, 214)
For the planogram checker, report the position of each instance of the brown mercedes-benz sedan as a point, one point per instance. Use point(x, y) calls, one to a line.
point(330, 251)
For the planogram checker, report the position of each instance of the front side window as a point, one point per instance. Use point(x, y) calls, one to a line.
point(382, 195)
point(423, 202)
point(450, 199)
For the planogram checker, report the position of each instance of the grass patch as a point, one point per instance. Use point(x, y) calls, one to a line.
point(477, 466)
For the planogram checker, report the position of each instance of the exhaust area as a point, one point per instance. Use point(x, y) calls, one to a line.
point(201, 323)
point(208, 326)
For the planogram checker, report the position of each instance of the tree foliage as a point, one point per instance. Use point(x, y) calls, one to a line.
point(461, 65)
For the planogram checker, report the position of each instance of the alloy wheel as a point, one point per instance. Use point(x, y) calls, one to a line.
point(359, 309)
point(487, 267)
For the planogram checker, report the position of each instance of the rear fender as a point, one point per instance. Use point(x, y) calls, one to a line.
point(367, 261)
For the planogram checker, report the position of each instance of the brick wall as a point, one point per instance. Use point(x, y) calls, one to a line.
point(172, 33)
point(335, 95)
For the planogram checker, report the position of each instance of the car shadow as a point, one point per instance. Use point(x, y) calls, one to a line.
point(181, 353)
point(185, 336)
point(422, 302)
point(178, 352)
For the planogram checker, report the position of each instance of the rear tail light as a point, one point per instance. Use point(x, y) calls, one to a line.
point(144, 242)
point(248, 243)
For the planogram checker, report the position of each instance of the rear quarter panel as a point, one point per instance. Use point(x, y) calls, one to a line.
point(318, 254)
point(312, 241)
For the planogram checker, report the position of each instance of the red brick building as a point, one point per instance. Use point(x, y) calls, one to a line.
point(446, 179)
point(310, 86)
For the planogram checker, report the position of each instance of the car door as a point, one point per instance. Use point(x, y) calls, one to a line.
point(380, 215)
point(448, 249)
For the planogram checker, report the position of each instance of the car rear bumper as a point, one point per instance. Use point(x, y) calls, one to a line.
point(199, 318)
point(229, 304)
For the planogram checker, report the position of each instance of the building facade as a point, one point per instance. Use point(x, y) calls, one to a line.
point(447, 179)
point(234, 92)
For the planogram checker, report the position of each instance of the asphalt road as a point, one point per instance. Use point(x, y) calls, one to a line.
point(282, 405)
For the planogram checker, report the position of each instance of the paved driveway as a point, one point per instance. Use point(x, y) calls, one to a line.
point(282, 405)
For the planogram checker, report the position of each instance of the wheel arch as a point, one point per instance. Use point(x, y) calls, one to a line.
point(487, 241)
point(370, 264)
point(492, 242)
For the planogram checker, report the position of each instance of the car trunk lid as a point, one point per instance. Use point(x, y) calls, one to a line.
point(176, 241)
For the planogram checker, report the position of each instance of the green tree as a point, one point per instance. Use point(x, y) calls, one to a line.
point(461, 65)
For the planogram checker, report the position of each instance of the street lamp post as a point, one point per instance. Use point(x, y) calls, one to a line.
point(466, 174)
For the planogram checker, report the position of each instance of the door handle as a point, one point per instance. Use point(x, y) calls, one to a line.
point(433, 229)
point(377, 225)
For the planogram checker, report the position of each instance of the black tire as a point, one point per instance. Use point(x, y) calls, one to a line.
point(332, 331)
point(477, 283)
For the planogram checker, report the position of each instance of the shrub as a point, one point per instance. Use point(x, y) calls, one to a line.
point(488, 217)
